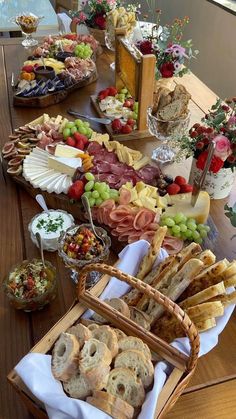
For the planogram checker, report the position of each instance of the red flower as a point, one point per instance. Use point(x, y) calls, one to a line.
point(216, 163)
point(100, 21)
point(145, 47)
point(199, 145)
point(167, 70)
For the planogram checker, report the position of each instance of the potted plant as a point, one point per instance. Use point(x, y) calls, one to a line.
point(172, 53)
point(219, 125)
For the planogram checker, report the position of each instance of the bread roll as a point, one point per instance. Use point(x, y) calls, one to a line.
point(136, 362)
point(131, 342)
point(81, 332)
point(65, 357)
point(123, 383)
point(78, 387)
point(107, 335)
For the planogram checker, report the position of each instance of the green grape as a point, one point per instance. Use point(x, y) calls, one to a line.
point(183, 227)
point(97, 186)
point(135, 107)
point(70, 124)
point(114, 192)
point(89, 176)
point(191, 220)
point(207, 228)
point(91, 202)
point(199, 240)
point(98, 201)
point(183, 236)
point(135, 116)
point(195, 235)
point(89, 132)
point(105, 195)
point(124, 91)
point(169, 222)
point(78, 122)
point(87, 194)
point(176, 234)
point(95, 194)
point(191, 226)
point(162, 222)
point(176, 229)
point(188, 233)
point(73, 130)
point(121, 97)
point(86, 124)
point(203, 233)
point(89, 186)
point(201, 227)
point(82, 130)
point(66, 132)
point(115, 197)
point(178, 218)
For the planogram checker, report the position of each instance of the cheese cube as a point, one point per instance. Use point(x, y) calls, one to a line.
point(67, 151)
point(64, 165)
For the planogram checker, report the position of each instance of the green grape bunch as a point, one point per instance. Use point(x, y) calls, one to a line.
point(185, 228)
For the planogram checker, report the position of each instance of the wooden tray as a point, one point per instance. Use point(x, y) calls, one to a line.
point(183, 366)
point(53, 98)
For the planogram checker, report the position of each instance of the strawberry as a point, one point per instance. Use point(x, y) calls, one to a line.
point(186, 188)
point(112, 91)
point(76, 190)
point(28, 68)
point(180, 180)
point(79, 144)
point(131, 122)
point(71, 36)
point(126, 129)
point(173, 189)
point(70, 141)
point(103, 94)
point(116, 125)
point(129, 103)
point(78, 137)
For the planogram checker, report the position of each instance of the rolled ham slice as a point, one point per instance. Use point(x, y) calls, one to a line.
point(143, 218)
point(172, 244)
point(125, 197)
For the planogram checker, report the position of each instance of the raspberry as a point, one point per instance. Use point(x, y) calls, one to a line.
point(116, 125)
point(186, 188)
point(126, 129)
point(173, 189)
point(180, 180)
point(70, 141)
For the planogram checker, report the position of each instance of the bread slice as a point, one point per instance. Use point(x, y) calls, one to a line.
point(131, 342)
point(123, 383)
point(90, 324)
point(206, 324)
point(78, 387)
point(119, 334)
point(65, 357)
point(108, 408)
point(116, 303)
point(107, 335)
point(173, 111)
point(205, 311)
point(203, 296)
point(116, 402)
point(142, 319)
point(136, 361)
point(93, 355)
point(230, 282)
point(207, 257)
point(97, 377)
point(81, 332)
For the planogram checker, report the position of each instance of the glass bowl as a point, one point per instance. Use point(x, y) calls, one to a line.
point(28, 23)
point(166, 131)
point(77, 264)
point(22, 290)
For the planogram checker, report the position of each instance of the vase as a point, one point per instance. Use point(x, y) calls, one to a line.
point(218, 185)
point(99, 35)
point(167, 82)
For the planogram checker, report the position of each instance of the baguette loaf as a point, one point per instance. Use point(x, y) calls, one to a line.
point(136, 361)
point(124, 384)
point(207, 257)
point(78, 387)
point(131, 342)
point(205, 325)
point(65, 357)
point(107, 335)
point(116, 402)
point(81, 332)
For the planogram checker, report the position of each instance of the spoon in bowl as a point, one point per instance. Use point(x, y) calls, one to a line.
point(41, 201)
point(87, 208)
point(40, 244)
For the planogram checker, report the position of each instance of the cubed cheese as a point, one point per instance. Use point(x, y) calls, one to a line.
point(182, 203)
point(67, 151)
point(64, 165)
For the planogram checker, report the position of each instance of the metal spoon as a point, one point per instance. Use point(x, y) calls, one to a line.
point(40, 244)
point(41, 201)
point(87, 208)
point(43, 63)
point(104, 121)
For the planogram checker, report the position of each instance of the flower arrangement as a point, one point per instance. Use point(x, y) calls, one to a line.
point(219, 125)
point(165, 42)
point(93, 13)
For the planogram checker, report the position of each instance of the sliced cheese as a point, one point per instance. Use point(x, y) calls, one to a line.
point(64, 165)
point(67, 151)
point(141, 163)
point(182, 203)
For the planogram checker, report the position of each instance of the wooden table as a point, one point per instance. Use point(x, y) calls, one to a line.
point(211, 391)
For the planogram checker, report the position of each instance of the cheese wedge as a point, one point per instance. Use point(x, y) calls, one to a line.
point(182, 203)
point(65, 165)
point(66, 151)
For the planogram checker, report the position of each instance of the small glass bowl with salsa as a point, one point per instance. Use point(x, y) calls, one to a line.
point(29, 286)
point(79, 247)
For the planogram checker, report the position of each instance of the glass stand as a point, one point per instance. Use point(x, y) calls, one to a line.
point(29, 41)
point(163, 154)
point(92, 278)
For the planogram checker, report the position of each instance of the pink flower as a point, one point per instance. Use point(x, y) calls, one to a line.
point(222, 148)
point(231, 124)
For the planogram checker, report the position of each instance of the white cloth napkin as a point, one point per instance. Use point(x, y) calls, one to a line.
point(35, 369)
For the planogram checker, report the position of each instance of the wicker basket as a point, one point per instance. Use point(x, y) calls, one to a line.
point(183, 366)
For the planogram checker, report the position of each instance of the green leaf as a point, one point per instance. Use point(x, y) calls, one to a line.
point(219, 118)
point(233, 220)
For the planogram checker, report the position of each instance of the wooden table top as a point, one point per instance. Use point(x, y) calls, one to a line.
point(210, 393)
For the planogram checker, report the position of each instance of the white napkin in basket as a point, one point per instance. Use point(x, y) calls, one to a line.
point(35, 369)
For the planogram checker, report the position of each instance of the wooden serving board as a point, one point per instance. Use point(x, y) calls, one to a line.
point(53, 98)
point(134, 135)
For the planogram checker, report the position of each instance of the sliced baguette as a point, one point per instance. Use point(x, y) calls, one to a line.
point(141, 318)
point(116, 303)
point(97, 377)
point(78, 387)
point(81, 332)
point(124, 384)
point(226, 299)
point(65, 357)
point(107, 407)
point(205, 311)
point(230, 282)
point(202, 296)
point(136, 361)
point(94, 354)
point(107, 335)
point(119, 334)
point(118, 403)
point(131, 342)
point(206, 324)
point(207, 257)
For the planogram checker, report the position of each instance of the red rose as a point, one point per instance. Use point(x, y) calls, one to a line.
point(216, 162)
point(145, 47)
point(100, 21)
point(167, 70)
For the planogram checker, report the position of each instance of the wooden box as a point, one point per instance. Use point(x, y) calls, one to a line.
point(183, 366)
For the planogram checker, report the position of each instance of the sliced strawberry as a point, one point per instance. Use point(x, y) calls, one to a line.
point(112, 91)
point(28, 68)
point(180, 180)
point(78, 137)
point(131, 122)
point(103, 94)
point(76, 190)
point(186, 188)
point(71, 141)
point(126, 129)
point(80, 144)
point(116, 125)
point(173, 189)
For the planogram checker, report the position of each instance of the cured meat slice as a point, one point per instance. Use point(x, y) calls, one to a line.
point(134, 237)
point(147, 235)
point(143, 218)
point(109, 204)
point(94, 148)
point(172, 244)
point(125, 196)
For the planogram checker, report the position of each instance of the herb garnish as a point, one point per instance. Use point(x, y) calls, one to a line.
point(50, 226)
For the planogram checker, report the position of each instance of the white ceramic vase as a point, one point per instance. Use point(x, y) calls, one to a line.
point(218, 185)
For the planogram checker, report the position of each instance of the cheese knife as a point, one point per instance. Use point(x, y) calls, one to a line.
point(197, 185)
point(104, 121)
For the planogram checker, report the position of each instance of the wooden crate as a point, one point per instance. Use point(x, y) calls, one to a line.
point(183, 366)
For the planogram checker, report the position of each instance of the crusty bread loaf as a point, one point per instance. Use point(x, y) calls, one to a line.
point(131, 342)
point(81, 332)
point(116, 303)
point(119, 334)
point(139, 317)
point(65, 357)
point(136, 361)
point(107, 407)
point(78, 386)
point(123, 383)
point(93, 355)
point(107, 335)
point(116, 402)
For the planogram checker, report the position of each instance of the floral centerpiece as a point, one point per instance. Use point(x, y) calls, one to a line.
point(93, 13)
point(165, 42)
point(219, 125)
